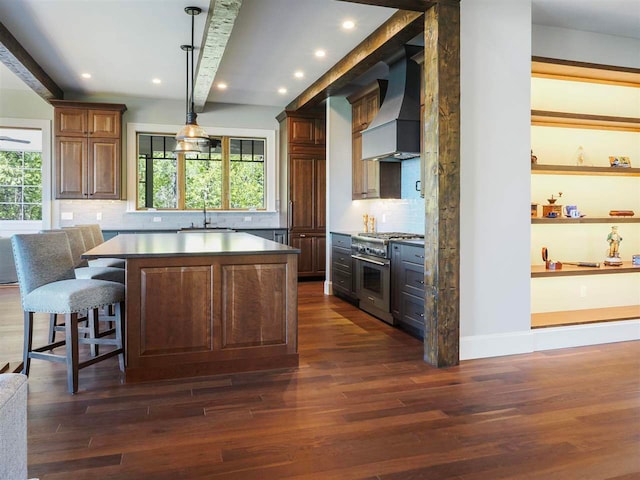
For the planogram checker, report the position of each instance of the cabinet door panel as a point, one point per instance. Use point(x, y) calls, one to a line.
point(371, 179)
point(302, 188)
point(70, 121)
point(104, 169)
point(320, 254)
point(320, 194)
point(302, 130)
point(305, 259)
point(71, 154)
point(370, 108)
point(104, 123)
point(357, 169)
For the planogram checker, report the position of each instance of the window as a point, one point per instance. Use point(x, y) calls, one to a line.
point(228, 175)
point(20, 185)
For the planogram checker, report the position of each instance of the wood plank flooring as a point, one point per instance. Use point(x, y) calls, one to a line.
point(362, 405)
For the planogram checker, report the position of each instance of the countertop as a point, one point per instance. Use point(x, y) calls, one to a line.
point(186, 244)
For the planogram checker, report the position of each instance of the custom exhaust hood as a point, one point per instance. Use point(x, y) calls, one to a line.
point(394, 134)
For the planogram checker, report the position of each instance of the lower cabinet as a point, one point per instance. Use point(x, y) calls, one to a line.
point(407, 287)
point(312, 258)
point(342, 278)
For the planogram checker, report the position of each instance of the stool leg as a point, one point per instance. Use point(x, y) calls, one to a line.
point(28, 340)
point(52, 327)
point(94, 330)
point(71, 337)
point(120, 333)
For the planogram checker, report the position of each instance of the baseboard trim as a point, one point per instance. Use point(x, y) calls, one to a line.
point(587, 334)
point(539, 339)
point(496, 345)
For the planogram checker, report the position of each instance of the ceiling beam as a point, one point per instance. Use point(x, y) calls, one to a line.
point(18, 60)
point(414, 5)
point(401, 27)
point(220, 20)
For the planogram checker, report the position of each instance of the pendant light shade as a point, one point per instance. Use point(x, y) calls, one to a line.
point(182, 146)
point(191, 132)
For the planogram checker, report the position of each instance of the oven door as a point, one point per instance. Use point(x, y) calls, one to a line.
point(373, 286)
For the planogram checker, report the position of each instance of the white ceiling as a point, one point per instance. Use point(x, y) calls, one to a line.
point(126, 43)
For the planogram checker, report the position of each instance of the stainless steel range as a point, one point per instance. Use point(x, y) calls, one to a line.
point(372, 270)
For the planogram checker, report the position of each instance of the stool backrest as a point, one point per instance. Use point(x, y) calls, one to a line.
point(87, 236)
point(76, 243)
point(42, 258)
point(98, 238)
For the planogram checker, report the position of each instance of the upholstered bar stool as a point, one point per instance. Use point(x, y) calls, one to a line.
point(111, 274)
point(98, 238)
point(48, 285)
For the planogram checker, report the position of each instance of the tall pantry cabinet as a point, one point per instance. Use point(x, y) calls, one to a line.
point(303, 150)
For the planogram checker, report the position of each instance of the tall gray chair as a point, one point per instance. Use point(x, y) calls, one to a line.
point(98, 238)
point(82, 270)
point(47, 284)
point(7, 266)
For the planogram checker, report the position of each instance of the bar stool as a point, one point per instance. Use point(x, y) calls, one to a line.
point(48, 285)
point(96, 235)
point(82, 270)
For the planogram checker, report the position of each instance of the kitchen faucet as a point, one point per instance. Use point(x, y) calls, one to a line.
point(204, 213)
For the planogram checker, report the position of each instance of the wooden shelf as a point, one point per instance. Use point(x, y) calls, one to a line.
point(539, 271)
point(546, 118)
point(545, 67)
point(575, 170)
point(580, 317)
point(564, 220)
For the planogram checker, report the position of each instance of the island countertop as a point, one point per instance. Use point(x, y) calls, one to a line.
point(187, 244)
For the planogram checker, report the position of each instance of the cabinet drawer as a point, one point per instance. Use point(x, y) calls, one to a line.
point(341, 258)
point(412, 253)
point(413, 279)
point(342, 241)
point(342, 281)
point(412, 311)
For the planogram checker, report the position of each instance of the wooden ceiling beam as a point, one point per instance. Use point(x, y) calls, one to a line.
point(413, 5)
point(220, 20)
point(401, 27)
point(18, 60)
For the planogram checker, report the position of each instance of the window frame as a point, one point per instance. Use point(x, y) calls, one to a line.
point(271, 164)
point(9, 227)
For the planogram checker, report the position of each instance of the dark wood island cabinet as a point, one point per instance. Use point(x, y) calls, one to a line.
point(206, 303)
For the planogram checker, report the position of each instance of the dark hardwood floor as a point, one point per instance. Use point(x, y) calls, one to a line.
point(362, 405)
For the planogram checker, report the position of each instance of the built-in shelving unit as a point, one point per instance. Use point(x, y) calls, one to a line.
point(539, 169)
point(543, 114)
point(562, 221)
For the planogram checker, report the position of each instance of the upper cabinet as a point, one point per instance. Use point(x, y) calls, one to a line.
point(88, 147)
point(370, 179)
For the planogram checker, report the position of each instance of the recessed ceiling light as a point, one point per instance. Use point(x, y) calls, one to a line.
point(85, 75)
point(282, 90)
point(320, 53)
point(222, 86)
point(157, 81)
point(298, 74)
point(348, 24)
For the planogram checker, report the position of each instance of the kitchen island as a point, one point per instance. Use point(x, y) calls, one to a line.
point(202, 303)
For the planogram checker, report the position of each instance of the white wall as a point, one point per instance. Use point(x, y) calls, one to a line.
point(495, 178)
point(581, 46)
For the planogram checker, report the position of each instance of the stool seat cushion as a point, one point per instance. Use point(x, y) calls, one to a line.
point(107, 262)
point(110, 274)
point(68, 296)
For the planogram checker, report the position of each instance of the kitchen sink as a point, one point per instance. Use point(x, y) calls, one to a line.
point(201, 229)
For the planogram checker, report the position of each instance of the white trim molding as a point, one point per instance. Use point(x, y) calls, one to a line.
point(586, 334)
point(496, 345)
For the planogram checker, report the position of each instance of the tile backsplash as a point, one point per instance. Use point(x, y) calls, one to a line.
point(113, 215)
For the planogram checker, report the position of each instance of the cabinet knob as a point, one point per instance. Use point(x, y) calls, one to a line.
point(302, 235)
point(421, 282)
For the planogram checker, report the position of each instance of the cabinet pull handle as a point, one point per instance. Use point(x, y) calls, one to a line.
point(371, 298)
point(421, 282)
point(422, 315)
point(419, 256)
point(302, 235)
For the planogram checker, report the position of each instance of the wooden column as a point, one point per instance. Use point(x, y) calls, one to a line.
point(442, 183)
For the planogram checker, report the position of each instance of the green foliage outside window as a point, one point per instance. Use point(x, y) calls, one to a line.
point(20, 185)
point(204, 174)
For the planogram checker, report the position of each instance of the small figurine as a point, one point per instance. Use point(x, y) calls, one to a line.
point(614, 240)
point(579, 157)
point(534, 159)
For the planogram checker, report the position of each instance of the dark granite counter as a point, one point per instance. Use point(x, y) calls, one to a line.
point(186, 244)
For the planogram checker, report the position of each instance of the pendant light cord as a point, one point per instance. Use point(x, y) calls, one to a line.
point(192, 66)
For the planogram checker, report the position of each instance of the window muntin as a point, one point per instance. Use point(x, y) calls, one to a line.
point(228, 175)
point(20, 185)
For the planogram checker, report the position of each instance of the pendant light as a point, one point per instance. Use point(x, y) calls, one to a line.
point(191, 133)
